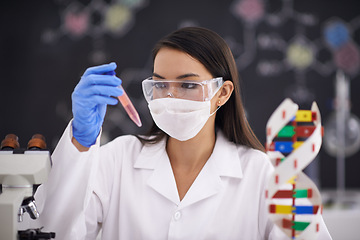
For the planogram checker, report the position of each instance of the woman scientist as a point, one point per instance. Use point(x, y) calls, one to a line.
point(199, 174)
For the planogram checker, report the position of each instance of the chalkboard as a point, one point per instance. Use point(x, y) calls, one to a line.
point(281, 47)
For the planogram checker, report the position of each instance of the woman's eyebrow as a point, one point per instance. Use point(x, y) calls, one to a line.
point(157, 75)
point(179, 77)
point(187, 75)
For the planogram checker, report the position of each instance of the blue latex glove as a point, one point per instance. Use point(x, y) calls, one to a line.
point(89, 100)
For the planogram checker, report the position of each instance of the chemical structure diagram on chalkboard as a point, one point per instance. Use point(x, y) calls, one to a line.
point(95, 19)
point(300, 54)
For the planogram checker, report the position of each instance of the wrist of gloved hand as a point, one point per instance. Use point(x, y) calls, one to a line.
point(87, 134)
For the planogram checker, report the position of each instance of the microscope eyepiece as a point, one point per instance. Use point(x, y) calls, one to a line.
point(10, 142)
point(37, 142)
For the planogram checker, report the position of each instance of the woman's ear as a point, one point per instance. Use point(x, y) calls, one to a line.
point(225, 92)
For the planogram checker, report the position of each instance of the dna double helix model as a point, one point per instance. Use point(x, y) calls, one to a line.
point(293, 139)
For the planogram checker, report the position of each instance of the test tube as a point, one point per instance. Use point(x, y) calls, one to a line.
point(129, 107)
point(127, 104)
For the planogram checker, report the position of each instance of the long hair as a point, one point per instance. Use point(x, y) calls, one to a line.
point(212, 51)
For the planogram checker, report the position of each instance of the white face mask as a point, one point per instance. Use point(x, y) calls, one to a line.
point(179, 118)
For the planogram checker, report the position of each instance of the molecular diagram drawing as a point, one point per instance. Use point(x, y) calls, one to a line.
point(250, 12)
point(293, 139)
point(96, 19)
point(338, 37)
point(300, 54)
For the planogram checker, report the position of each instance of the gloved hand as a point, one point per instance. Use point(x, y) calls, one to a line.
point(89, 100)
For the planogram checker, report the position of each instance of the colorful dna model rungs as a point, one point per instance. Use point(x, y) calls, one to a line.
point(293, 139)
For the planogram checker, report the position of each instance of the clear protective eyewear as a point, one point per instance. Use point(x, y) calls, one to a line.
point(183, 89)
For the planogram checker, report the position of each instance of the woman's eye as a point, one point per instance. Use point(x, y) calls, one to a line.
point(160, 85)
point(189, 85)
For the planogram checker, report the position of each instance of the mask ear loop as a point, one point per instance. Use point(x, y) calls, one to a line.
point(215, 111)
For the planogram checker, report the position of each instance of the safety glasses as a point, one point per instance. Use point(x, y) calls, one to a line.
point(183, 89)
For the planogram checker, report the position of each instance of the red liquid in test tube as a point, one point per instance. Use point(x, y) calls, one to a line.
point(129, 107)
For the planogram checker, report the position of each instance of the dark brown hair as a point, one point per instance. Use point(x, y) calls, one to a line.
point(212, 51)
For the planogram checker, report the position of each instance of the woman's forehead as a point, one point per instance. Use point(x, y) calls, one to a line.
point(172, 64)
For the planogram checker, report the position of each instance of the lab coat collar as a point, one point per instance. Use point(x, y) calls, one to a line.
point(226, 157)
point(223, 162)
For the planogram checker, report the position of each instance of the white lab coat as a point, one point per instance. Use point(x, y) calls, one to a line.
point(129, 190)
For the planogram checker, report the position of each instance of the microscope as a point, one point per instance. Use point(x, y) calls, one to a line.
point(21, 172)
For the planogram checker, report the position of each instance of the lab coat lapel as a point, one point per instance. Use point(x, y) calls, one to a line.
point(223, 162)
point(207, 184)
point(162, 178)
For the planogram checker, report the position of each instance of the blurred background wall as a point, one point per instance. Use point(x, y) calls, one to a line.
point(283, 48)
